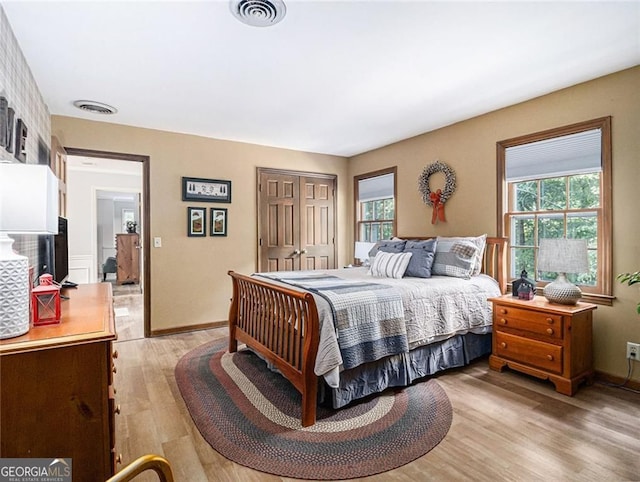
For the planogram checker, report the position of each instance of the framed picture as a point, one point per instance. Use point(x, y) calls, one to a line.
point(21, 141)
point(196, 221)
point(209, 190)
point(218, 221)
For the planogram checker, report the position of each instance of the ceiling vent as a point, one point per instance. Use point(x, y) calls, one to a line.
point(258, 13)
point(95, 107)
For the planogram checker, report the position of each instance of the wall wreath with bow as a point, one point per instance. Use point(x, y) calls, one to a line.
point(437, 198)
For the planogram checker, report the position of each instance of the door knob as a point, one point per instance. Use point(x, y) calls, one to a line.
point(297, 251)
point(304, 251)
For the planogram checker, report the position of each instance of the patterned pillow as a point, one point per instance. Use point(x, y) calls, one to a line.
point(444, 244)
point(390, 265)
point(455, 258)
point(423, 254)
point(388, 246)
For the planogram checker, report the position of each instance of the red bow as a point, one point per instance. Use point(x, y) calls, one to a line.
point(438, 207)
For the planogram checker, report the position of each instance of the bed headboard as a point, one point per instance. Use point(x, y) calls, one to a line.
point(494, 261)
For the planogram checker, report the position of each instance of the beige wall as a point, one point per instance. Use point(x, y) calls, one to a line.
point(189, 282)
point(469, 147)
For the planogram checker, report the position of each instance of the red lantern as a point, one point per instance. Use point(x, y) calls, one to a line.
point(45, 302)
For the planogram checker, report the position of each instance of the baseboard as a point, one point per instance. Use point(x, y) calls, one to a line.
point(615, 380)
point(186, 329)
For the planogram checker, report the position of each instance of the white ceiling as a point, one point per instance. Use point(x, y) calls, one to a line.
point(336, 77)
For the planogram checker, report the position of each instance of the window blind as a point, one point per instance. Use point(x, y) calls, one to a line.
point(578, 153)
point(373, 188)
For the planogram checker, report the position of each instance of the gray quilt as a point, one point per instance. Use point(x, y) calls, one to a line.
point(368, 317)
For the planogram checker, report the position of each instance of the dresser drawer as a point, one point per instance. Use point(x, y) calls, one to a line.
point(531, 352)
point(546, 324)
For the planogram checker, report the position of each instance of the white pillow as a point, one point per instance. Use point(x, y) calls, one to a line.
point(390, 265)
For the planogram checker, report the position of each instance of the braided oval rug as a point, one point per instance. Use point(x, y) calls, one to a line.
point(251, 416)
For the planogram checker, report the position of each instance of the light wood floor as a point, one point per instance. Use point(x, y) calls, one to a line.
point(506, 426)
point(128, 307)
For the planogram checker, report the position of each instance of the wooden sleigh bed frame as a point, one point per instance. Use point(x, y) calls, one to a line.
point(281, 324)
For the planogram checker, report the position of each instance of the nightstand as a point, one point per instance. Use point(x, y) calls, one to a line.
point(546, 340)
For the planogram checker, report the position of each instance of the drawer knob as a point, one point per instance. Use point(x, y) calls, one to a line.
point(117, 410)
point(114, 369)
point(503, 321)
point(119, 459)
point(114, 354)
point(503, 344)
point(550, 357)
point(503, 311)
point(550, 321)
point(550, 331)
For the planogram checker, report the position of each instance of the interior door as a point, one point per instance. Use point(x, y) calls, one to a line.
point(296, 223)
point(317, 235)
point(279, 221)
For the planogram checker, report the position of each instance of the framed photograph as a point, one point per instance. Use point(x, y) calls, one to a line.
point(209, 190)
point(196, 221)
point(218, 221)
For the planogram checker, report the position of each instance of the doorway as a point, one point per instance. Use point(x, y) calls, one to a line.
point(116, 186)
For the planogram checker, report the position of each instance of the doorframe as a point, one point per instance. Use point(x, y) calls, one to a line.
point(146, 219)
point(288, 172)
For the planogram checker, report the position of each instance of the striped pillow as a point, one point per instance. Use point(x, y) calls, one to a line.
point(390, 265)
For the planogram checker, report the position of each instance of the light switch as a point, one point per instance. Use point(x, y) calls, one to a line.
point(157, 242)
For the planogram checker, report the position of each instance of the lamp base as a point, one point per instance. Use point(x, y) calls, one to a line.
point(14, 290)
point(561, 291)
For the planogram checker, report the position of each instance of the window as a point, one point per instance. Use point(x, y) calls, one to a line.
point(375, 206)
point(555, 184)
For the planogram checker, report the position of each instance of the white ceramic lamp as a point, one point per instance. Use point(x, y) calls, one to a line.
point(28, 205)
point(563, 256)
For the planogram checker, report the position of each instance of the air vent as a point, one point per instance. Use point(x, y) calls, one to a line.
point(258, 13)
point(95, 107)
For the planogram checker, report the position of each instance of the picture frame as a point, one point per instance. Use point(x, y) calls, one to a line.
point(219, 222)
point(207, 190)
point(196, 222)
point(21, 141)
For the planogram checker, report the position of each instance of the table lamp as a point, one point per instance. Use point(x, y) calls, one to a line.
point(28, 205)
point(361, 251)
point(562, 255)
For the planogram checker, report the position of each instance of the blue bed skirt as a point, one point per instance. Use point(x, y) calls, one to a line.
point(402, 370)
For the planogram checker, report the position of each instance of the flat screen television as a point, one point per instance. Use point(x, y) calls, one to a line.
point(53, 251)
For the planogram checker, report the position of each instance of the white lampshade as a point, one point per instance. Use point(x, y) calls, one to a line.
point(362, 249)
point(28, 205)
point(563, 256)
point(28, 199)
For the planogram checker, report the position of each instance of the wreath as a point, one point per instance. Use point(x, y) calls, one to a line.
point(449, 186)
point(436, 199)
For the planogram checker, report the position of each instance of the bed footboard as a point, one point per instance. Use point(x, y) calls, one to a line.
point(282, 325)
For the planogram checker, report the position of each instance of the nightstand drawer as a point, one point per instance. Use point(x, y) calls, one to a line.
point(546, 324)
point(531, 352)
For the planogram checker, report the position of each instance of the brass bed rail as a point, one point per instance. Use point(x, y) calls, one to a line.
point(158, 464)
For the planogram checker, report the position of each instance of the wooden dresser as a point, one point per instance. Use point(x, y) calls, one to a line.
point(57, 387)
point(128, 258)
point(546, 340)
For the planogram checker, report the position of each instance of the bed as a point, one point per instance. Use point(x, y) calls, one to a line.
point(283, 317)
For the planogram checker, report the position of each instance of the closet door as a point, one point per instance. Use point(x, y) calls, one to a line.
point(317, 236)
point(278, 222)
point(296, 220)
